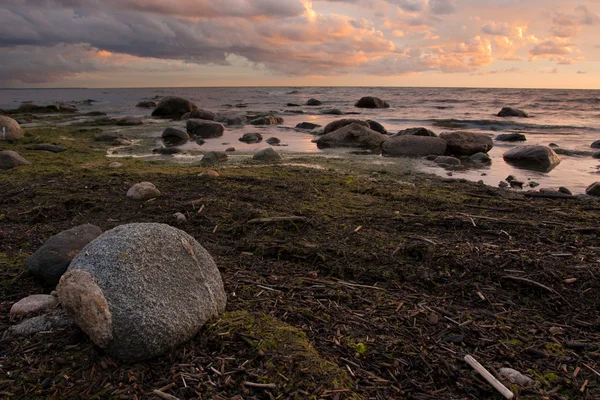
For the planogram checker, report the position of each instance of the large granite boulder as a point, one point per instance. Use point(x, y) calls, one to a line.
point(354, 136)
point(51, 260)
point(371, 102)
point(11, 159)
point(340, 123)
point(204, 129)
point(140, 289)
point(414, 146)
point(416, 132)
point(593, 189)
point(9, 129)
point(467, 143)
point(512, 112)
point(538, 158)
point(175, 134)
point(173, 107)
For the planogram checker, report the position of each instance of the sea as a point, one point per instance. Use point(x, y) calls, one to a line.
point(567, 118)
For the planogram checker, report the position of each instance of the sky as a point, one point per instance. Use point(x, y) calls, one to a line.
point(189, 43)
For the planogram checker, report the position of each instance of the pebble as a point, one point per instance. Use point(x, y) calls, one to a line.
point(115, 165)
point(433, 319)
point(503, 184)
point(516, 377)
point(564, 190)
point(510, 178)
point(32, 305)
point(533, 184)
point(180, 217)
point(516, 184)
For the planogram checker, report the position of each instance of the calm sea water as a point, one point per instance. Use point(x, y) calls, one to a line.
point(569, 118)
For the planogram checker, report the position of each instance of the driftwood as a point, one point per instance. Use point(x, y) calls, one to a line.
point(534, 283)
point(277, 219)
point(489, 377)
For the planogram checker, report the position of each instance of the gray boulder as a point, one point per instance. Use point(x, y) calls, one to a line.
point(9, 129)
point(313, 102)
point(51, 260)
point(143, 191)
point(267, 154)
point(414, 146)
point(512, 112)
point(307, 125)
point(416, 132)
point(251, 137)
point(136, 299)
point(204, 129)
point(354, 136)
point(593, 189)
point(467, 143)
point(267, 120)
point(595, 145)
point(11, 159)
point(175, 134)
point(371, 102)
point(537, 158)
point(511, 137)
point(340, 123)
point(377, 127)
point(173, 107)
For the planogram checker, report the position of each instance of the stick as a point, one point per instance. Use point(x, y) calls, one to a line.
point(489, 377)
point(164, 395)
point(276, 219)
point(534, 283)
point(591, 369)
point(261, 385)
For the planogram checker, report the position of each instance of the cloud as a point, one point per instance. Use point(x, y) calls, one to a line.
point(442, 7)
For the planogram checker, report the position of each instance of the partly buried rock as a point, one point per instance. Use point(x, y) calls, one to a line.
point(538, 158)
point(512, 112)
point(129, 121)
point(414, 146)
point(467, 143)
point(11, 159)
point(9, 129)
point(273, 141)
point(143, 191)
point(173, 107)
point(313, 102)
point(593, 189)
point(175, 134)
point(307, 125)
point(251, 137)
point(53, 148)
point(416, 132)
point(447, 161)
point(595, 145)
point(371, 102)
point(340, 123)
point(267, 155)
point(511, 137)
point(33, 304)
point(200, 114)
point(51, 260)
point(354, 136)
point(213, 158)
point(377, 127)
point(41, 323)
point(137, 300)
point(146, 104)
point(481, 158)
point(204, 129)
point(267, 120)
point(332, 111)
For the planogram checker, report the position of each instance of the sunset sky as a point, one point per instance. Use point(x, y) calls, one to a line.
point(163, 43)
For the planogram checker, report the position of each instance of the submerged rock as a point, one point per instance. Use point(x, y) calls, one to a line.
point(172, 133)
point(447, 161)
point(51, 260)
point(332, 111)
point(481, 158)
point(414, 146)
point(173, 107)
point(146, 104)
point(267, 120)
point(273, 141)
point(467, 143)
point(307, 125)
point(231, 119)
point(124, 291)
point(129, 121)
point(538, 158)
point(511, 137)
point(512, 112)
point(371, 102)
point(251, 137)
point(595, 145)
point(200, 114)
point(340, 123)
point(9, 129)
point(204, 129)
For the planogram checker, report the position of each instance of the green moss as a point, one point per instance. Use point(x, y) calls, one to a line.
point(547, 379)
point(287, 351)
point(513, 342)
point(361, 348)
point(555, 349)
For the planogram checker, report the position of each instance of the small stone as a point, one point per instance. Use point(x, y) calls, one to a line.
point(143, 191)
point(33, 304)
point(503, 184)
point(313, 102)
point(213, 158)
point(123, 142)
point(553, 145)
point(180, 217)
point(447, 161)
point(210, 173)
point(565, 190)
point(273, 141)
point(115, 165)
point(510, 178)
point(516, 184)
point(593, 189)
point(516, 377)
point(433, 319)
point(11, 159)
point(230, 149)
point(251, 137)
point(533, 184)
point(41, 323)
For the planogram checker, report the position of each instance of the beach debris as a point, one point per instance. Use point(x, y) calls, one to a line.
point(512, 112)
point(503, 390)
point(143, 191)
point(105, 302)
point(51, 260)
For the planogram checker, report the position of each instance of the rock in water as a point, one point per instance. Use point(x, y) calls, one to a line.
point(9, 129)
point(267, 120)
point(353, 136)
point(377, 127)
point(307, 125)
point(137, 300)
point(511, 137)
point(51, 260)
point(204, 129)
point(173, 107)
point(340, 123)
point(537, 158)
point(146, 104)
point(467, 143)
point(512, 112)
point(414, 146)
point(213, 158)
point(371, 102)
point(175, 134)
point(593, 189)
point(11, 159)
point(143, 191)
point(416, 132)
point(313, 102)
point(251, 137)
point(595, 145)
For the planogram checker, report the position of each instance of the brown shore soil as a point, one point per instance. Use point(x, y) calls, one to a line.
point(378, 294)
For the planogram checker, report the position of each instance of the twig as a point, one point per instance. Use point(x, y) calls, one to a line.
point(276, 219)
point(534, 283)
point(261, 385)
point(164, 395)
point(591, 369)
point(489, 377)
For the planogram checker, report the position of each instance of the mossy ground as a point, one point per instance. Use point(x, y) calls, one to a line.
point(357, 302)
